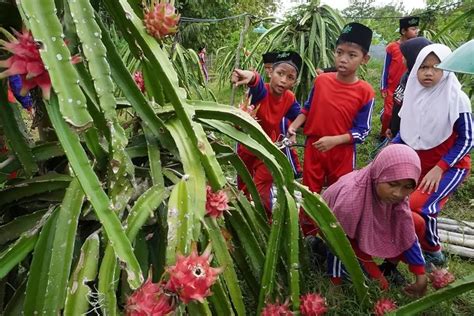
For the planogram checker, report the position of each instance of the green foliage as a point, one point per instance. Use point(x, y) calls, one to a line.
point(311, 30)
point(213, 35)
point(118, 192)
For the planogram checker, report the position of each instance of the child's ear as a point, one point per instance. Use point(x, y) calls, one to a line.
point(365, 59)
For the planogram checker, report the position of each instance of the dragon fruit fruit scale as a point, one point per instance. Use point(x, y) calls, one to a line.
point(161, 20)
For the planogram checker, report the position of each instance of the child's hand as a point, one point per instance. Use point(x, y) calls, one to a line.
point(431, 181)
point(291, 134)
point(417, 289)
point(326, 143)
point(242, 77)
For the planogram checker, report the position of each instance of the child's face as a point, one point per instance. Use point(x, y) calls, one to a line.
point(348, 58)
point(395, 191)
point(282, 78)
point(410, 32)
point(428, 75)
point(268, 69)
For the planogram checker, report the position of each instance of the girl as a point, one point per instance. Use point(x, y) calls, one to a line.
point(436, 121)
point(371, 205)
point(410, 50)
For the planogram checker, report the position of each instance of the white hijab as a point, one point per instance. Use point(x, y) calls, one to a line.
point(428, 114)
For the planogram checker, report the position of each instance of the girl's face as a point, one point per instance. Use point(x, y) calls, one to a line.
point(428, 75)
point(395, 191)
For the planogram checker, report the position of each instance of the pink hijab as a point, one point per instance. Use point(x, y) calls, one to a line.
point(380, 229)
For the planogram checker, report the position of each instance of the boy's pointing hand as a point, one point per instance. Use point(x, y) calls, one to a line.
point(242, 77)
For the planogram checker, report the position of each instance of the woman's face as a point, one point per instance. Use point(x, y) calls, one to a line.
point(395, 191)
point(428, 75)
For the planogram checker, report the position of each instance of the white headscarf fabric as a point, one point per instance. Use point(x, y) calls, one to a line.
point(428, 114)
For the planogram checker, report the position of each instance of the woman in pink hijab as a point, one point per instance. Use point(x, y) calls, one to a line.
point(371, 205)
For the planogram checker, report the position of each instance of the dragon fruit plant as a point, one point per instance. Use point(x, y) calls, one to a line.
point(313, 304)
point(441, 277)
point(161, 20)
point(191, 277)
point(383, 306)
point(26, 61)
point(150, 299)
point(216, 202)
point(276, 309)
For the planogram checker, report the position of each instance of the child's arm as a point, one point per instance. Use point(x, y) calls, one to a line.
point(299, 120)
point(385, 72)
point(463, 145)
point(254, 82)
point(416, 264)
point(397, 139)
point(464, 142)
point(361, 124)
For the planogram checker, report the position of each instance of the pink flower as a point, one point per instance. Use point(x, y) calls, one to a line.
point(191, 277)
point(216, 203)
point(149, 300)
point(383, 306)
point(313, 304)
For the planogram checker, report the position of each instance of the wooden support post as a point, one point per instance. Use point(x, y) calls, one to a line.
point(237, 54)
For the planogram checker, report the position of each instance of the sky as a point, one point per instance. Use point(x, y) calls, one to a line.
point(341, 4)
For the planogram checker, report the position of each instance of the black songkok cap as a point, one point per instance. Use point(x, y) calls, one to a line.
point(269, 58)
point(356, 33)
point(408, 21)
point(289, 57)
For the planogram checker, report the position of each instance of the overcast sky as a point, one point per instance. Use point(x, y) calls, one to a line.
point(341, 4)
point(408, 4)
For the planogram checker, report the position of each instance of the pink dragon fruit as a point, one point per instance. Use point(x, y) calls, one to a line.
point(276, 309)
point(26, 62)
point(150, 300)
point(192, 277)
point(383, 306)
point(161, 20)
point(216, 202)
point(441, 278)
point(313, 304)
point(138, 77)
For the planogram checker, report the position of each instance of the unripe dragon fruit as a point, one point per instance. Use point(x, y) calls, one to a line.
point(383, 306)
point(191, 277)
point(216, 202)
point(26, 62)
point(313, 304)
point(161, 20)
point(441, 278)
point(150, 300)
point(276, 309)
point(138, 77)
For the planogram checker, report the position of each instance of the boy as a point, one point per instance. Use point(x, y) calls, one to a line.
point(273, 102)
point(394, 68)
point(290, 152)
point(338, 113)
point(268, 60)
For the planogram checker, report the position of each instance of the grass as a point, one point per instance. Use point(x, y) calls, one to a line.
point(461, 207)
